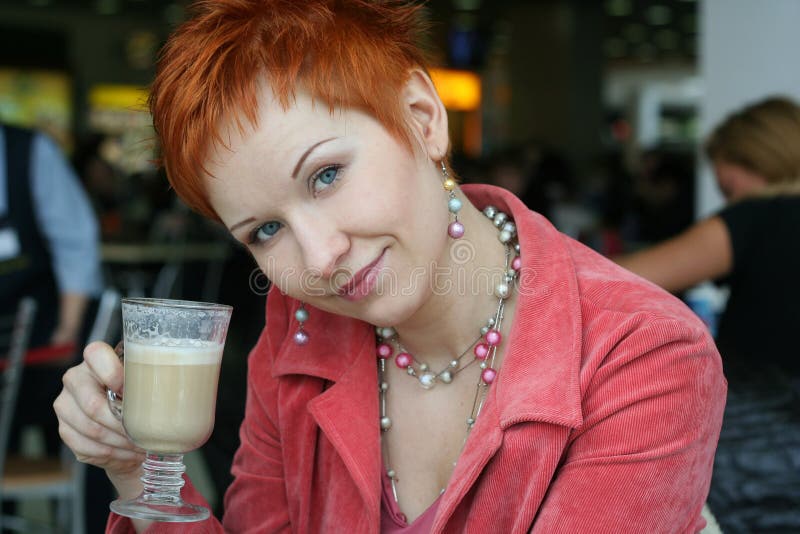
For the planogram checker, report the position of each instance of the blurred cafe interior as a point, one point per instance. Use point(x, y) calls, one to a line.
point(594, 112)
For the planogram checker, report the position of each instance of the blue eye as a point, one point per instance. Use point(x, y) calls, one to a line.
point(324, 178)
point(265, 232)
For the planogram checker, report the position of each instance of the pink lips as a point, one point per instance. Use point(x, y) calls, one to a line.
point(362, 283)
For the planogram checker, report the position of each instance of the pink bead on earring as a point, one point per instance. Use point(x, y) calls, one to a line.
point(455, 229)
point(301, 337)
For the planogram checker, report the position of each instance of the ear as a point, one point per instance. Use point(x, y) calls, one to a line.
point(426, 113)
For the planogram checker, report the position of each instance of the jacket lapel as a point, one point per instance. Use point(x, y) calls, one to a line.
point(539, 377)
point(342, 351)
point(347, 413)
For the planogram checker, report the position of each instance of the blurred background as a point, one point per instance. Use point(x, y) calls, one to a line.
point(602, 100)
point(593, 112)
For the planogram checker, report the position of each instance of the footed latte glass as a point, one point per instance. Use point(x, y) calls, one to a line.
point(172, 357)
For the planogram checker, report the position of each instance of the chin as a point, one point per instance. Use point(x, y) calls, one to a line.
point(389, 310)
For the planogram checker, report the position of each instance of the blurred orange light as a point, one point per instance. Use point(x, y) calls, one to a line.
point(459, 90)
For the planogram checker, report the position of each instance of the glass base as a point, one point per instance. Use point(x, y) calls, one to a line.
point(161, 498)
point(174, 512)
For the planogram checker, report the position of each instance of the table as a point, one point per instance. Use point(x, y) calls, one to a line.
point(131, 259)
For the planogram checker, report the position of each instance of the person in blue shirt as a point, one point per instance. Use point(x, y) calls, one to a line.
point(47, 230)
point(48, 250)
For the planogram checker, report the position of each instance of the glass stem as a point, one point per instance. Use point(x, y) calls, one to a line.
point(163, 478)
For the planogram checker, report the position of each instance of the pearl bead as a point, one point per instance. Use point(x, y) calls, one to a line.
point(484, 365)
point(384, 350)
point(423, 367)
point(387, 332)
point(403, 360)
point(455, 230)
point(516, 263)
point(453, 363)
point(449, 184)
point(410, 370)
point(391, 473)
point(384, 386)
point(502, 290)
point(454, 205)
point(481, 351)
point(488, 375)
point(491, 321)
point(446, 377)
point(301, 315)
point(504, 236)
point(516, 248)
point(493, 338)
point(500, 219)
point(300, 337)
point(427, 380)
point(490, 211)
point(484, 329)
point(386, 423)
point(470, 421)
point(510, 227)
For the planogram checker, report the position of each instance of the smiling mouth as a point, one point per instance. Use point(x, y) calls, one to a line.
point(362, 283)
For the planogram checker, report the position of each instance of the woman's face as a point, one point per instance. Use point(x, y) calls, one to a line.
point(736, 182)
point(335, 210)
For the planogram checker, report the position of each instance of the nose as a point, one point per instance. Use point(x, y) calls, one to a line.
point(322, 244)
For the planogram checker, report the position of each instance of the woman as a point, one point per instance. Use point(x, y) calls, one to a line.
point(521, 387)
point(753, 246)
point(752, 243)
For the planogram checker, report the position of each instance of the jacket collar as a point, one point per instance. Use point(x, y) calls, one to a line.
point(334, 343)
point(539, 379)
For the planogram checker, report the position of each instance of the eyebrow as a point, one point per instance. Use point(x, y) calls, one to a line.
point(294, 176)
point(306, 154)
point(239, 224)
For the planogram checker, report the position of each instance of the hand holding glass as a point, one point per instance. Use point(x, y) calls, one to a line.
point(172, 357)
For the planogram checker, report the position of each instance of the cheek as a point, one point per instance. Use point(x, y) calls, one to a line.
point(282, 274)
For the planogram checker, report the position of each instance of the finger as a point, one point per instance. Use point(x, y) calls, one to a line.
point(104, 364)
point(69, 413)
point(90, 397)
point(99, 454)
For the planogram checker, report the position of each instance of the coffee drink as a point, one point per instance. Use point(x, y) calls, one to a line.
point(170, 393)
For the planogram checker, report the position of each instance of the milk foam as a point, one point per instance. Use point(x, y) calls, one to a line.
point(199, 353)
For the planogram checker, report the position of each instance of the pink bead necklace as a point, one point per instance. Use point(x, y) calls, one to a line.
point(484, 347)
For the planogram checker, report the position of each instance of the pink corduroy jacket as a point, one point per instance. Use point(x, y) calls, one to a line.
point(604, 416)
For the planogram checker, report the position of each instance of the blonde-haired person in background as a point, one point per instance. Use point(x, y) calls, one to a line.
point(753, 246)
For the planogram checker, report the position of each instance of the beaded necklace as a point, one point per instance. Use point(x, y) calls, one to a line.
point(484, 347)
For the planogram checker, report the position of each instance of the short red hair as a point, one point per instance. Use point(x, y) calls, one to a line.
point(346, 53)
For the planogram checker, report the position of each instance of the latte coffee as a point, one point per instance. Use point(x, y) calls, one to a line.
point(170, 394)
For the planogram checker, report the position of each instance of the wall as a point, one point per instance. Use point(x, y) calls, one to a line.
point(748, 50)
point(556, 74)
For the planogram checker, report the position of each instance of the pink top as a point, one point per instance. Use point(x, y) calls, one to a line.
point(393, 521)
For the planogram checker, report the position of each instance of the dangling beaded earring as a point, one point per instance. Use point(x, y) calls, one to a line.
point(301, 336)
point(455, 229)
